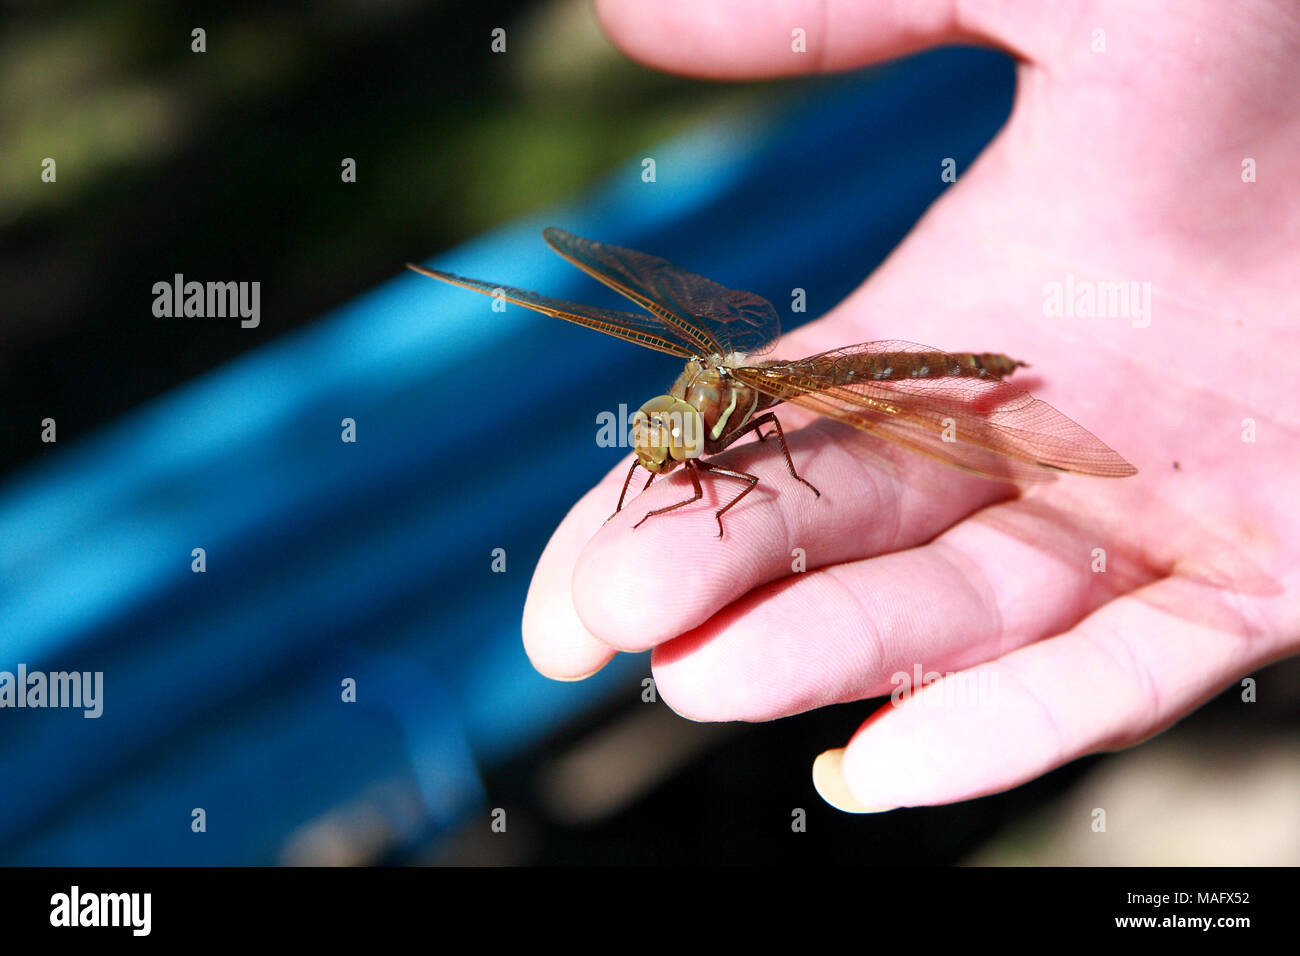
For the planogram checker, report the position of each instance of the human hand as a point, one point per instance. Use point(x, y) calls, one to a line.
point(1118, 165)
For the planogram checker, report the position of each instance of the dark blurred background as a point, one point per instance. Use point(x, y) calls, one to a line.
point(372, 561)
point(227, 163)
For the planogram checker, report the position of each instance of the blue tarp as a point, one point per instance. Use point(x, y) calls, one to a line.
point(372, 560)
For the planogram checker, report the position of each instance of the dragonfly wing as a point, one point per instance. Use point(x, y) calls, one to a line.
point(968, 422)
point(716, 319)
point(638, 327)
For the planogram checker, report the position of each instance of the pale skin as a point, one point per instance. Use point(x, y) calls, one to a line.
point(1117, 165)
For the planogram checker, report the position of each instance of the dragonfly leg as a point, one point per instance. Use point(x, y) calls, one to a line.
point(789, 463)
point(699, 493)
point(741, 475)
point(627, 481)
point(756, 425)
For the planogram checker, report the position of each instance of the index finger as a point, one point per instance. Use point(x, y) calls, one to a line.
point(636, 587)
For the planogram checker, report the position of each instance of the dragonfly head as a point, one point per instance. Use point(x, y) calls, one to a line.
point(665, 432)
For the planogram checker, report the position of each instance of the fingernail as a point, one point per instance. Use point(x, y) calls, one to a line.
point(578, 677)
point(828, 778)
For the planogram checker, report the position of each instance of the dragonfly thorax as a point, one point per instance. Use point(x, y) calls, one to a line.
point(723, 401)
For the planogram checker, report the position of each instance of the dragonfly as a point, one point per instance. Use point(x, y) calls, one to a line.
point(956, 407)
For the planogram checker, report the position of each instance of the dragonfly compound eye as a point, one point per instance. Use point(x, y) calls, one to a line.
point(666, 430)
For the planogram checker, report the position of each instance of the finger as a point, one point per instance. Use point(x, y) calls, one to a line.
point(556, 642)
point(635, 587)
point(760, 38)
point(1125, 673)
point(1011, 575)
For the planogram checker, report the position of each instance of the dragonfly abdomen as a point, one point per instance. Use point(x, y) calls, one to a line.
point(884, 366)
